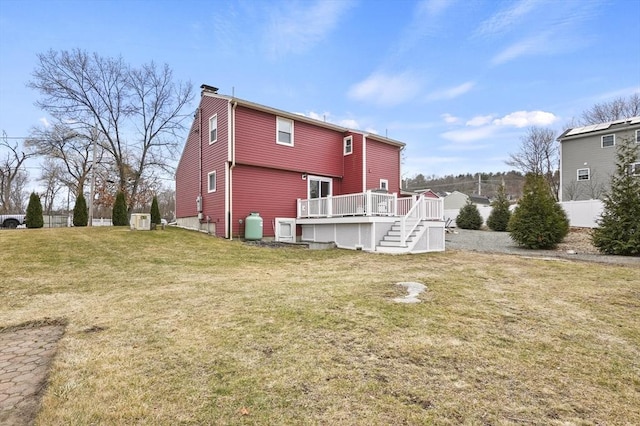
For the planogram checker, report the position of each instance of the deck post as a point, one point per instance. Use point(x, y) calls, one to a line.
point(329, 206)
point(368, 205)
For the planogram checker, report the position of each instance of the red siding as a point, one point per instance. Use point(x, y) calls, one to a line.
point(267, 177)
point(270, 192)
point(383, 162)
point(214, 157)
point(352, 181)
point(316, 150)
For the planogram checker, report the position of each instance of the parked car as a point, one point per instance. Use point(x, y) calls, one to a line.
point(12, 220)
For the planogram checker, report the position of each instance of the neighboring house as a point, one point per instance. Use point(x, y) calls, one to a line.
point(479, 200)
point(588, 157)
point(455, 200)
point(307, 179)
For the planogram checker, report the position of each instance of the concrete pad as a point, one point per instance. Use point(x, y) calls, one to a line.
point(414, 289)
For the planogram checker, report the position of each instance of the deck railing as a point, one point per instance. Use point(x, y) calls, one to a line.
point(370, 204)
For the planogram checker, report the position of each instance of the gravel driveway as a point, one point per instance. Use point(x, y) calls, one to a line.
point(500, 242)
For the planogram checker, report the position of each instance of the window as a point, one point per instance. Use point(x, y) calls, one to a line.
point(384, 184)
point(284, 131)
point(637, 136)
point(583, 174)
point(211, 179)
point(608, 140)
point(213, 129)
point(348, 145)
point(634, 169)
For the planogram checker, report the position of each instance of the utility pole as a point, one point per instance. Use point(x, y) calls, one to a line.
point(94, 136)
point(479, 183)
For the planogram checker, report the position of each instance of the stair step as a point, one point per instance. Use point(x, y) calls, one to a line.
point(386, 243)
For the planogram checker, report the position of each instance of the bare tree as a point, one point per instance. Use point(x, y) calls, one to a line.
point(539, 154)
point(136, 110)
point(572, 190)
point(51, 178)
point(616, 109)
point(70, 149)
point(13, 177)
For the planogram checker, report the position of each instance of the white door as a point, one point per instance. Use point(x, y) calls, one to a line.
point(318, 189)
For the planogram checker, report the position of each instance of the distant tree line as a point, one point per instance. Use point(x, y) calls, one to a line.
point(487, 184)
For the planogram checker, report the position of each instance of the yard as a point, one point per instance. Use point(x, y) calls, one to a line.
point(176, 327)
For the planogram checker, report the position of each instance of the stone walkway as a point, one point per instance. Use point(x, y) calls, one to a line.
point(26, 352)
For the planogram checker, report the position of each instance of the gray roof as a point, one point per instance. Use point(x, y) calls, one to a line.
point(611, 125)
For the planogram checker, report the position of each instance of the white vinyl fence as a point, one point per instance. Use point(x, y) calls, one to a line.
point(581, 214)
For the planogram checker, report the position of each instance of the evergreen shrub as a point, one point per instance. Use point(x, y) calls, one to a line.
point(155, 212)
point(498, 220)
point(34, 218)
point(538, 222)
point(618, 230)
point(469, 217)
point(80, 215)
point(119, 214)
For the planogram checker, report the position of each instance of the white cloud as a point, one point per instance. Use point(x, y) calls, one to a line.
point(349, 123)
point(386, 90)
point(452, 92)
point(295, 28)
point(469, 135)
point(479, 120)
point(507, 18)
point(433, 8)
point(44, 122)
point(539, 44)
point(448, 118)
point(526, 118)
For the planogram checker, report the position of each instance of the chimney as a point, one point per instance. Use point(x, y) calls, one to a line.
point(207, 88)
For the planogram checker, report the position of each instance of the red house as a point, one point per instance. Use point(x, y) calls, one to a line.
point(306, 178)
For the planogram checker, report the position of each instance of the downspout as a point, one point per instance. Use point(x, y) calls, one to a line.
point(201, 209)
point(364, 162)
point(234, 104)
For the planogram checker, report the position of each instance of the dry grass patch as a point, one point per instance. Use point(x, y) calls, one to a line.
point(172, 326)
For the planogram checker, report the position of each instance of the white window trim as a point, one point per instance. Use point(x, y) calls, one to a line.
point(588, 174)
point(602, 141)
point(278, 131)
point(215, 181)
point(384, 184)
point(350, 145)
point(321, 179)
point(636, 169)
point(215, 116)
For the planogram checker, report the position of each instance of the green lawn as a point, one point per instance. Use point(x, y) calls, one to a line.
point(177, 327)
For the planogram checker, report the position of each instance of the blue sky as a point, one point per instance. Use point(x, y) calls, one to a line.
point(459, 81)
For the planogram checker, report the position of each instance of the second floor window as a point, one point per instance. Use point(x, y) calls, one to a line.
point(608, 140)
point(348, 145)
point(213, 129)
point(384, 184)
point(583, 174)
point(284, 131)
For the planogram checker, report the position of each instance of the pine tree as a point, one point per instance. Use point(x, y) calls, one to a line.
point(469, 217)
point(80, 215)
point(119, 215)
point(618, 229)
point(155, 212)
point(34, 218)
point(538, 222)
point(500, 213)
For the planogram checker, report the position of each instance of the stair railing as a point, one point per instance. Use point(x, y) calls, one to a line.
point(417, 212)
